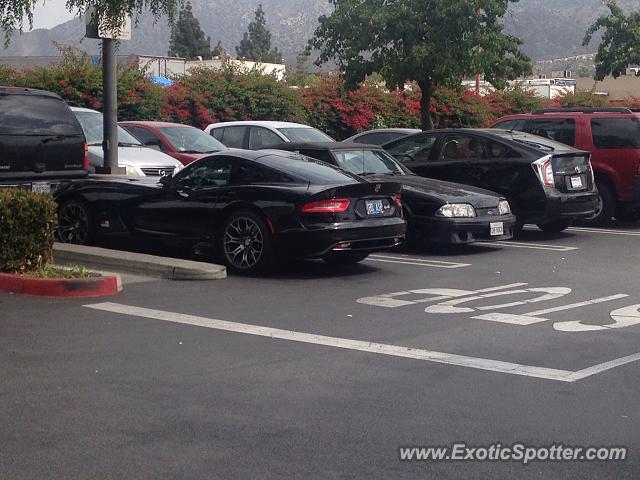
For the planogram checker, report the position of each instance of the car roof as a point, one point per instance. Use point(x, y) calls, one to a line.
point(391, 130)
point(327, 146)
point(260, 123)
point(149, 123)
point(9, 90)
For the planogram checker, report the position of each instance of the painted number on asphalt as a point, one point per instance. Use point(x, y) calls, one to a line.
point(456, 301)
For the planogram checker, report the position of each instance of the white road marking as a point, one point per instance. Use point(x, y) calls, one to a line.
point(416, 261)
point(364, 346)
point(532, 246)
point(623, 317)
point(603, 231)
point(389, 300)
point(561, 308)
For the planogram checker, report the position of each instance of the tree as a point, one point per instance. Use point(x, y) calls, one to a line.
point(219, 51)
point(256, 42)
point(14, 13)
point(187, 38)
point(620, 45)
point(432, 42)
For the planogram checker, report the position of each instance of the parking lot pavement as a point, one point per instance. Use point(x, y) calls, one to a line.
point(324, 372)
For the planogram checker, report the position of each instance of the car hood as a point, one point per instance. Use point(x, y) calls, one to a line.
point(447, 192)
point(140, 156)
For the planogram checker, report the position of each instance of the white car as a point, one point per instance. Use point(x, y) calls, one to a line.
point(255, 135)
point(136, 158)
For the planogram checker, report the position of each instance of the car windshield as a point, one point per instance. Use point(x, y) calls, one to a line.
point(91, 123)
point(191, 140)
point(368, 162)
point(306, 134)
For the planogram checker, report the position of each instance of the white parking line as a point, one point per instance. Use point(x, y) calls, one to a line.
point(364, 346)
point(533, 246)
point(406, 260)
point(603, 231)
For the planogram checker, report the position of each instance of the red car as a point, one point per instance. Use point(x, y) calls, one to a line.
point(182, 142)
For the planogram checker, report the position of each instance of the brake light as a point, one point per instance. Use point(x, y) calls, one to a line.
point(544, 169)
point(85, 164)
point(335, 205)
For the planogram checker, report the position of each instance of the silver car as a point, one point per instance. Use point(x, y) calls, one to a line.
point(136, 158)
point(256, 135)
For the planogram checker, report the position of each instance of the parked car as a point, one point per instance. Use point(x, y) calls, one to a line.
point(255, 135)
point(612, 135)
point(182, 142)
point(252, 207)
point(41, 142)
point(546, 183)
point(380, 136)
point(138, 160)
point(436, 211)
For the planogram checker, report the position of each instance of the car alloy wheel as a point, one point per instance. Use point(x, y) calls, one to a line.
point(74, 223)
point(243, 243)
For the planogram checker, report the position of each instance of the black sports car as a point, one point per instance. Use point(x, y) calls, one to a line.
point(547, 183)
point(251, 206)
point(436, 211)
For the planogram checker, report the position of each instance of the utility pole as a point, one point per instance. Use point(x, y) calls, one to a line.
point(110, 107)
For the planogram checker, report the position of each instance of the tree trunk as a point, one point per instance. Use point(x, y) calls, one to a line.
point(426, 86)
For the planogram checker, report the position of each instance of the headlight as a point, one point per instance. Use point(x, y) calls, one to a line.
point(503, 207)
point(133, 170)
point(456, 210)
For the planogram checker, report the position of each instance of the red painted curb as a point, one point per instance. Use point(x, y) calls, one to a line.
point(101, 286)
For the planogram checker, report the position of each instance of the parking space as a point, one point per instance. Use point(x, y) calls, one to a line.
point(482, 343)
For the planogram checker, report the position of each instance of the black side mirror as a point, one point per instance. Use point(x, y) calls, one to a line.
point(166, 180)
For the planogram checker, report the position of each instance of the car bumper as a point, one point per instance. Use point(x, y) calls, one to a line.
point(461, 230)
point(317, 241)
point(564, 206)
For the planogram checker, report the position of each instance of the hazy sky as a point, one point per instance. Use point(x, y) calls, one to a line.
point(49, 14)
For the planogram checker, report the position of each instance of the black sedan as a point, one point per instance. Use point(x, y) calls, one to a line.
point(251, 207)
point(547, 183)
point(436, 211)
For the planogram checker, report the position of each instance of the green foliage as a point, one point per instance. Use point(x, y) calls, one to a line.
point(256, 42)
point(620, 45)
point(432, 42)
point(79, 82)
point(27, 223)
point(14, 13)
point(187, 38)
point(70, 271)
point(207, 96)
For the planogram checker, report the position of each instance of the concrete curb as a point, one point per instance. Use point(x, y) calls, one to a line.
point(100, 286)
point(137, 263)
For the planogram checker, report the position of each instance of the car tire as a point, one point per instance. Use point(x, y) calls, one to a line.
point(246, 244)
point(345, 258)
point(75, 223)
point(606, 207)
point(556, 226)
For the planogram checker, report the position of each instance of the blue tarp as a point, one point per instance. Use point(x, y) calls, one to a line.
point(160, 80)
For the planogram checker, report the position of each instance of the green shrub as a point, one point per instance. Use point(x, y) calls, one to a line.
point(27, 224)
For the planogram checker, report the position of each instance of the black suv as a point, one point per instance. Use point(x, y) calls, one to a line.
point(41, 141)
point(546, 183)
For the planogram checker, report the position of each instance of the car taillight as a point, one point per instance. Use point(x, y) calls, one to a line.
point(398, 201)
point(335, 205)
point(544, 168)
point(85, 164)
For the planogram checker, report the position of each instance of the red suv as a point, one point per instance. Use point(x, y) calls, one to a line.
point(612, 135)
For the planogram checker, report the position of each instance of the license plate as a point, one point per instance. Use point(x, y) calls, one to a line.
point(374, 207)
point(576, 182)
point(41, 188)
point(497, 228)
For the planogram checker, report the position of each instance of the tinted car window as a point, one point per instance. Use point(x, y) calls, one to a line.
point(246, 173)
point(217, 133)
point(462, 147)
point(308, 169)
point(323, 155)
point(366, 162)
point(561, 130)
point(262, 138)
point(144, 135)
point(206, 174)
point(500, 150)
point(233, 137)
point(378, 138)
point(510, 125)
point(415, 148)
point(36, 115)
point(616, 132)
point(305, 135)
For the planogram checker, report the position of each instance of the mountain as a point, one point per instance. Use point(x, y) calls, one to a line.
point(549, 28)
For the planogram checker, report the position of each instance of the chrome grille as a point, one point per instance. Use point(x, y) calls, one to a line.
point(157, 171)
